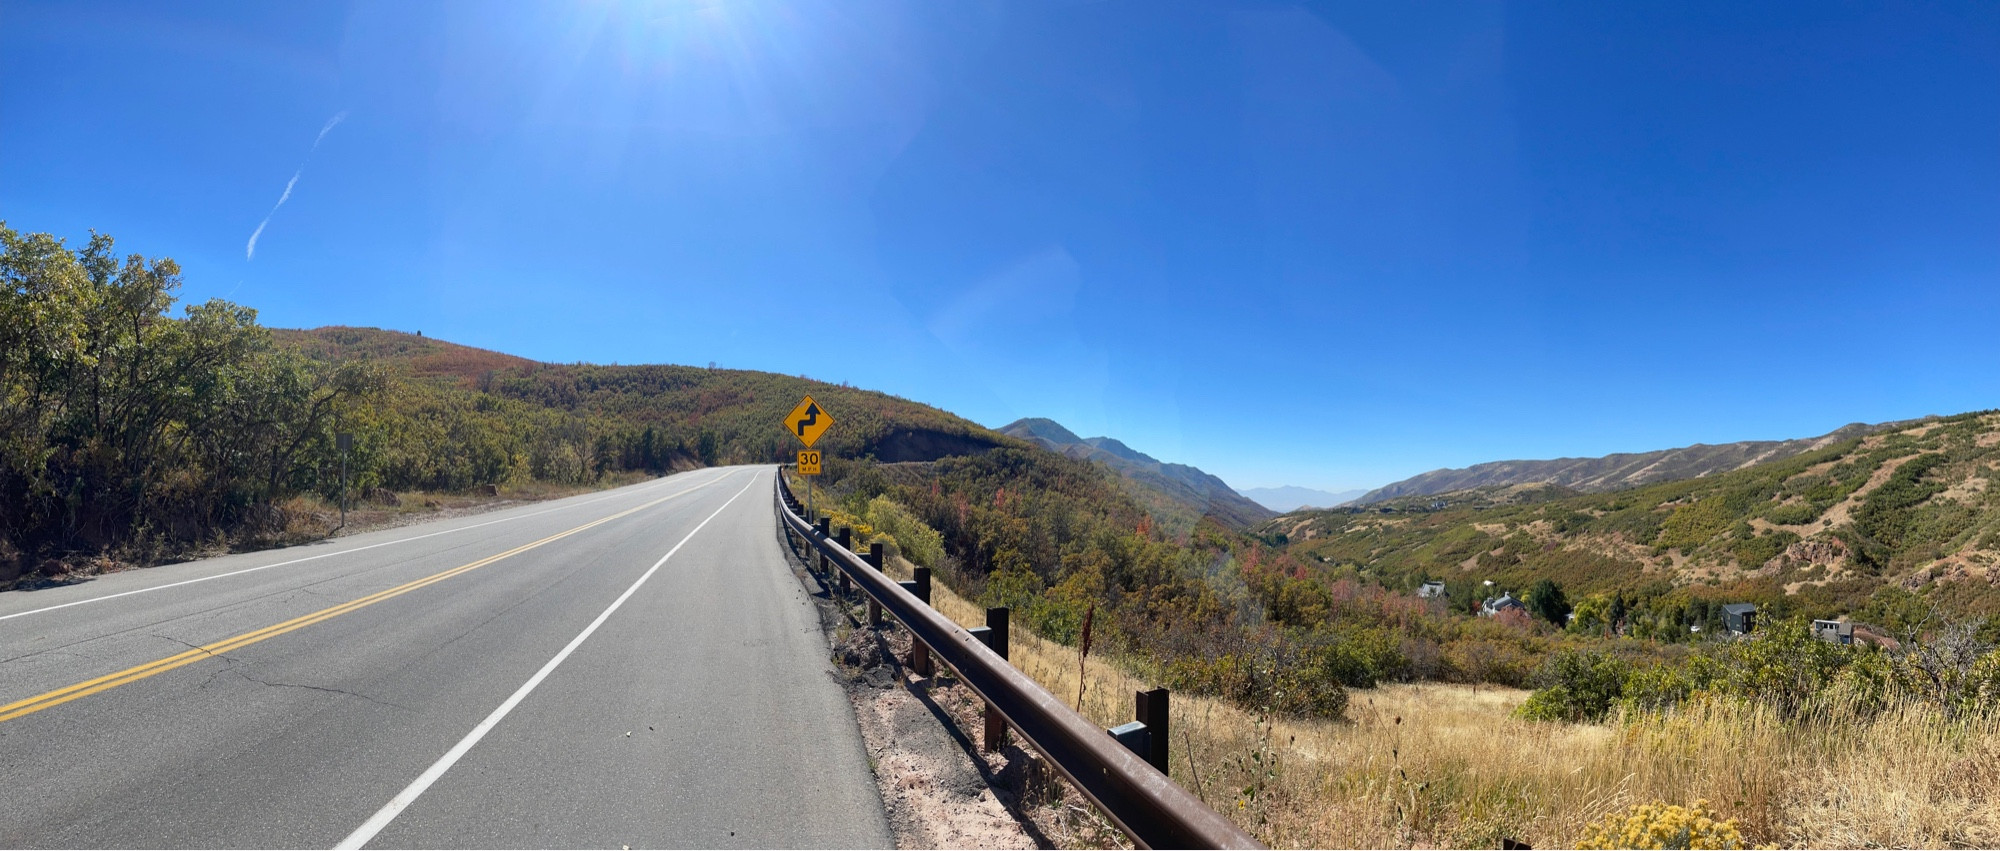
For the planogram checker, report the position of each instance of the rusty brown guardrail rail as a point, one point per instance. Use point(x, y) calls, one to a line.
point(1135, 794)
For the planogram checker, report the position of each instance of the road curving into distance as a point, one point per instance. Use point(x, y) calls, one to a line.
point(632, 668)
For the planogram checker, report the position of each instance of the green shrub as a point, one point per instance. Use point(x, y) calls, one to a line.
point(1666, 685)
point(919, 543)
point(1640, 524)
point(1783, 665)
point(1868, 684)
point(1576, 686)
point(1793, 514)
point(1268, 675)
point(1358, 657)
point(1752, 552)
point(1693, 524)
point(1592, 615)
point(1052, 612)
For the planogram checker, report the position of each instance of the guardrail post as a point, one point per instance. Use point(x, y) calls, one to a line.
point(875, 556)
point(845, 538)
point(1146, 735)
point(920, 653)
point(1150, 707)
point(995, 636)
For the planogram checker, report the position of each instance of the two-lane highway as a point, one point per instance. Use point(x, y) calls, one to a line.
point(638, 667)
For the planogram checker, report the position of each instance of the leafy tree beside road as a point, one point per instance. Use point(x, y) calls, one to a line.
point(124, 426)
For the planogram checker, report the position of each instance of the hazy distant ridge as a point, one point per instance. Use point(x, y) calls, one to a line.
point(1617, 471)
point(1293, 498)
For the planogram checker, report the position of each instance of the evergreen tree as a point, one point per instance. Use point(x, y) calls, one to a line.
point(1546, 600)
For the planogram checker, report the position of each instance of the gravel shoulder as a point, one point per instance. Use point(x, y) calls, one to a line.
point(923, 738)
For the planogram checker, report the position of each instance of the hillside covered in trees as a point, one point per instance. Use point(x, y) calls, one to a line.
point(507, 416)
point(1856, 527)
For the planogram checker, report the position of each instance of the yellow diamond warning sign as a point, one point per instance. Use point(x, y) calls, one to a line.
point(808, 421)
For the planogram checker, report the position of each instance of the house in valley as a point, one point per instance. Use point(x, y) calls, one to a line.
point(1739, 618)
point(1496, 605)
point(1836, 631)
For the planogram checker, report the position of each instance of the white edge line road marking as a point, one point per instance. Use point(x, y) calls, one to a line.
point(322, 555)
point(409, 795)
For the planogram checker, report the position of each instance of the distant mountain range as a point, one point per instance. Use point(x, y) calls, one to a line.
point(1292, 498)
point(1621, 470)
point(1185, 485)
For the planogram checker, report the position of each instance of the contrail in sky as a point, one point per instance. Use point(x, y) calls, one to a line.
point(250, 251)
point(330, 124)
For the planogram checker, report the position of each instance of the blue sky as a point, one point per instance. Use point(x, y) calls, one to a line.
point(1329, 245)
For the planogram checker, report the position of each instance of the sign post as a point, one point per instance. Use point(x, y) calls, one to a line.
point(807, 422)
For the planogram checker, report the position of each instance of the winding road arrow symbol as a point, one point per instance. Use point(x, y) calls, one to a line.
point(808, 421)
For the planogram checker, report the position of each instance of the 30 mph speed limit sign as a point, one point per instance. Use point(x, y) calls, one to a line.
point(808, 462)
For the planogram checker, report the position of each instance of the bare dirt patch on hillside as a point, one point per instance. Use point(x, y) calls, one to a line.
point(1968, 490)
point(1920, 431)
point(1615, 546)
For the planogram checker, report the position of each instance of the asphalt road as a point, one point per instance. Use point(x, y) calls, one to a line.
point(631, 668)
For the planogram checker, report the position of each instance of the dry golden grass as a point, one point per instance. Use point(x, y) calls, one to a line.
point(1447, 765)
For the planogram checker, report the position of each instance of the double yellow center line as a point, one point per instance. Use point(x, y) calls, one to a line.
point(110, 681)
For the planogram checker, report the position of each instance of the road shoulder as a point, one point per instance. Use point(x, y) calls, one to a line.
point(937, 791)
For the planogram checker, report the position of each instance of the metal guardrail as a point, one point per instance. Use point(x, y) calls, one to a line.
point(1134, 794)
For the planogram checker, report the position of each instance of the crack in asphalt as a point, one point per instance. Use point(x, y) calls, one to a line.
point(231, 668)
point(309, 592)
point(229, 662)
point(53, 652)
point(195, 647)
point(309, 687)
